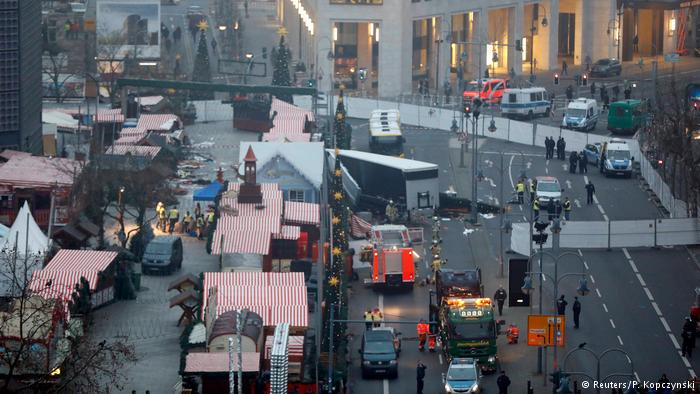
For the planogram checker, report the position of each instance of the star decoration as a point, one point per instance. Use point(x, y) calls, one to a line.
point(282, 31)
point(338, 172)
point(202, 25)
point(333, 281)
point(335, 220)
point(338, 196)
point(337, 251)
point(339, 116)
point(337, 152)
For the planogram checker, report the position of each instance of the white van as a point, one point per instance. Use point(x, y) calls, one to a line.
point(581, 114)
point(616, 158)
point(527, 102)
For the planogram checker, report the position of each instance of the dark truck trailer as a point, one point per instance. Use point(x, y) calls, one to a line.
point(370, 179)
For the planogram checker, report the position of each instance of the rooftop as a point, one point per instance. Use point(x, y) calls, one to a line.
point(36, 171)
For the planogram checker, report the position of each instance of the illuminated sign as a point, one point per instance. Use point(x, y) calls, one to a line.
point(543, 329)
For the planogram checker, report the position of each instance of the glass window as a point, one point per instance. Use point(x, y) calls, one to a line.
point(533, 96)
point(512, 98)
point(296, 195)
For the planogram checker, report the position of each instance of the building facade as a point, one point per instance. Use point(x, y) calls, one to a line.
point(20, 75)
point(365, 44)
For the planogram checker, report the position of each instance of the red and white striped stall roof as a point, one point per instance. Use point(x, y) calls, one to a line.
point(290, 123)
point(291, 233)
point(251, 240)
point(287, 279)
point(302, 212)
point(132, 131)
point(283, 107)
point(236, 186)
point(103, 115)
point(295, 346)
point(129, 140)
point(81, 260)
point(157, 121)
point(135, 150)
point(62, 282)
point(230, 223)
point(274, 136)
point(295, 315)
point(254, 279)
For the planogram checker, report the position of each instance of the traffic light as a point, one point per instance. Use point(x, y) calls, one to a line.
point(362, 74)
point(585, 80)
point(556, 79)
point(494, 57)
point(264, 53)
point(555, 378)
point(467, 108)
point(477, 105)
point(518, 45)
point(311, 83)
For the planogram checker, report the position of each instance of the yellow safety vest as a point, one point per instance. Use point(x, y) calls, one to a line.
point(161, 213)
point(210, 218)
point(532, 187)
point(536, 205)
point(173, 213)
point(520, 187)
point(368, 316)
point(567, 205)
point(188, 219)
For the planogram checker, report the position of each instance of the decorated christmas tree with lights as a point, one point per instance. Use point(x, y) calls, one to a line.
point(202, 68)
point(280, 72)
point(340, 127)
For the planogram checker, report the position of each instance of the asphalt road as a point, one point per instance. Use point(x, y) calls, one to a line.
point(638, 296)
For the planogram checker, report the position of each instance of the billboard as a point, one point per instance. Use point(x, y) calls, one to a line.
point(128, 27)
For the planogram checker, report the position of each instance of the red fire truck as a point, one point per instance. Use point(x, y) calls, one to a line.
point(392, 257)
point(491, 90)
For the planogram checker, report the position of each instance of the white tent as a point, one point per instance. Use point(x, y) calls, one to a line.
point(21, 253)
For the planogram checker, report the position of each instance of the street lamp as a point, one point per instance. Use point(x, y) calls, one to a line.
point(250, 57)
point(331, 58)
point(533, 29)
point(222, 28)
point(598, 358)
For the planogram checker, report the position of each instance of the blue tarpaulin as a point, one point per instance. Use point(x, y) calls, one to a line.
point(207, 193)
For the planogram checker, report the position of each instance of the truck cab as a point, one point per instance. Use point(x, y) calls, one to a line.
point(616, 158)
point(581, 114)
point(393, 264)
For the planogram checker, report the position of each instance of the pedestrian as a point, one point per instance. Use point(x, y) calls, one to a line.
point(213, 44)
point(162, 218)
point(635, 43)
point(173, 217)
point(533, 188)
point(200, 226)
point(688, 335)
point(564, 68)
point(603, 91)
point(550, 148)
point(590, 190)
point(368, 319)
point(177, 34)
point(567, 209)
point(546, 148)
point(377, 317)
point(588, 64)
point(245, 5)
point(593, 90)
point(569, 93)
point(520, 189)
point(573, 159)
point(561, 305)
point(536, 210)
point(577, 311)
point(559, 148)
point(551, 209)
point(187, 223)
point(503, 382)
point(557, 206)
point(420, 375)
point(197, 210)
point(606, 102)
point(563, 149)
point(500, 298)
point(628, 93)
point(583, 163)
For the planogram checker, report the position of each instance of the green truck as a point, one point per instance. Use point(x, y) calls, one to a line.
point(467, 326)
point(626, 116)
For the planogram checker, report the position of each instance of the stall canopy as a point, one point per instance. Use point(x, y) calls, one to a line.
point(26, 234)
point(207, 193)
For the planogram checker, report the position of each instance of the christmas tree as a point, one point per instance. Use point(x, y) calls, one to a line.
point(202, 68)
point(335, 288)
point(342, 140)
point(280, 73)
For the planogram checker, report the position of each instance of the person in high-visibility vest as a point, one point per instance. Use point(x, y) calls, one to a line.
point(173, 216)
point(368, 319)
point(187, 223)
point(512, 334)
point(422, 330)
point(162, 218)
point(567, 209)
point(437, 263)
point(536, 209)
point(520, 188)
point(200, 226)
point(533, 186)
point(377, 317)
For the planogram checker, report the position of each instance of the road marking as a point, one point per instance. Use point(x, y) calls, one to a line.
point(568, 184)
point(524, 218)
point(626, 253)
point(546, 170)
point(512, 154)
point(606, 308)
point(546, 162)
point(510, 172)
point(612, 323)
point(585, 264)
point(605, 217)
point(620, 340)
point(580, 253)
point(565, 167)
point(685, 361)
point(634, 266)
point(641, 280)
point(527, 165)
point(385, 385)
point(665, 324)
point(649, 296)
point(585, 179)
point(491, 182)
point(675, 342)
point(592, 279)
point(656, 308)
point(595, 199)
point(598, 292)
point(600, 208)
point(440, 358)
point(380, 302)
point(692, 373)
point(636, 375)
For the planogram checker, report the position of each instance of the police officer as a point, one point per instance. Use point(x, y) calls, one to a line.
point(173, 216)
point(533, 187)
point(567, 209)
point(551, 210)
point(536, 209)
point(200, 226)
point(368, 319)
point(520, 188)
point(500, 298)
point(561, 305)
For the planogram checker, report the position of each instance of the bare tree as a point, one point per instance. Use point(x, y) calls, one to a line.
point(55, 67)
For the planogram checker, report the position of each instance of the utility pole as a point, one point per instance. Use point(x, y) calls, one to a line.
point(475, 204)
point(503, 213)
point(242, 314)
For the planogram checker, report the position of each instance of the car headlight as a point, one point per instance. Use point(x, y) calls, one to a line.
point(492, 359)
point(392, 362)
point(475, 388)
point(448, 389)
point(366, 363)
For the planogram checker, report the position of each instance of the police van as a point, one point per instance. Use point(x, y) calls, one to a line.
point(581, 114)
point(616, 158)
point(385, 135)
point(526, 102)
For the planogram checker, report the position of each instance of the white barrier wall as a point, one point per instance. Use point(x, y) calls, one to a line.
point(509, 130)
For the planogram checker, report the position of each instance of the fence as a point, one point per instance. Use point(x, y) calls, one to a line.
point(614, 234)
point(509, 130)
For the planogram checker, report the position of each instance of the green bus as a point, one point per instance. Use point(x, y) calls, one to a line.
point(626, 116)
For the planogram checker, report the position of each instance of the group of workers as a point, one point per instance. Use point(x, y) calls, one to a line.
point(426, 334)
point(554, 208)
point(373, 318)
point(168, 219)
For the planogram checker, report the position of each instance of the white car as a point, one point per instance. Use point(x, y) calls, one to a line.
point(548, 188)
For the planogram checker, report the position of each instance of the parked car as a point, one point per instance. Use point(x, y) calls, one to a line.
point(606, 68)
point(379, 353)
point(592, 152)
point(462, 376)
point(548, 188)
point(163, 254)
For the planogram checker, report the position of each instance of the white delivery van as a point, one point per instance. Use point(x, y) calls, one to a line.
point(581, 114)
point(616, 158)
point(527, 102)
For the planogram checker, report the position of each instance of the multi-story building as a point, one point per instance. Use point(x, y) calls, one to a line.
point(398, 43)
point(20, 75)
